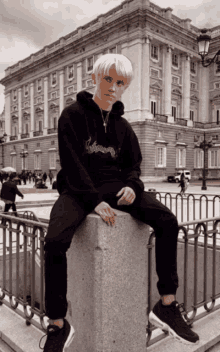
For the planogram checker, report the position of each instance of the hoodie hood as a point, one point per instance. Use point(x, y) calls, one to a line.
point(86, 99)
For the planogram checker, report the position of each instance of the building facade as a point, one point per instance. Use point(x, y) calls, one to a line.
point(170, 103)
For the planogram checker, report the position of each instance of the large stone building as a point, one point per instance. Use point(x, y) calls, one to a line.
point(171, 102)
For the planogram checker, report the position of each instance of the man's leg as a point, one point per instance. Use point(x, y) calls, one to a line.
point(165, 314)
point(14, 209)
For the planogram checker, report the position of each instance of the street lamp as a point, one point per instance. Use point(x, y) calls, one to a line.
point(2, 141)
point(203, 42)
point(205, 145)
point(24, 154)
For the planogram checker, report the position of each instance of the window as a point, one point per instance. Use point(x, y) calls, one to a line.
point(191, 115)
point(52, 160)
point(217, 85)
point(175, 60)
point(26, 128)
point(53, 79)
point(13, 161)
point(154, 52)
point(40, 125)
point(181, 157)
point(174, 111)
point(198, 158)
point(90, 83)
point(39, 85)
point(90, 64)
point(70, 72)
point(213, 158)
point(37, 161)
point(153, 107)
point(217, 120)
point(39, 100)
point(26, 90)
point(52, 142)
point(161, 156)
point(15, 131)
point(54, 95)
point(192, 67)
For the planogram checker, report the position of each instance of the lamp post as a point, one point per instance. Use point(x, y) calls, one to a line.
point(2, 141)
point(205, 145)
point(24, 154)
point(203, 42)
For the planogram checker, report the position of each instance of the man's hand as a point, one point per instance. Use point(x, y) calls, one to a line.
point(106, 212)
point(128, 196)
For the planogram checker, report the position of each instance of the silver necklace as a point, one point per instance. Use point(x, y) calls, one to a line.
point(104, 121)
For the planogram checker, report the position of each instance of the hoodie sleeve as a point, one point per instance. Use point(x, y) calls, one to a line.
point(131, 161)
point(74, 174)
point(18, 192)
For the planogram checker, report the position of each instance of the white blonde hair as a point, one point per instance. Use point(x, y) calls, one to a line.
point(121, 63)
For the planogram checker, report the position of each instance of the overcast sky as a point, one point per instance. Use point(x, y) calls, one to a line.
point(26, 26)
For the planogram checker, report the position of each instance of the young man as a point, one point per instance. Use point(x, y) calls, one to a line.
point(100, 167)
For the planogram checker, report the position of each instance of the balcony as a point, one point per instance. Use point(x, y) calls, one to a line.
point(37, 133)
point(182, 122)
point(24, 135)
point(206, 124)
point(13, 138)
point(51, 130)
point(161, 118)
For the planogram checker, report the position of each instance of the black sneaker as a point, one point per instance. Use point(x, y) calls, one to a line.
point(58, 339)
point(170, 319)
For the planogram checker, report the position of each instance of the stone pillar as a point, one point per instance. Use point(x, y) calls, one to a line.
point(32, 108)
point(167, 82)
point(19, 113)
point(107, 285)
point(61, 90)
point(79, 77)
point(8, 115)
point(133, 94)
point(45, 105)
point(203, 86)
point(146, 80)
point(186, 85)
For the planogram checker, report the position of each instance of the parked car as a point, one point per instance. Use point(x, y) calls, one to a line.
point(176, 177)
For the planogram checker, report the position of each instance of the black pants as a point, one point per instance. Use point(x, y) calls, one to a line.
point(8, 206)
point(68, 213)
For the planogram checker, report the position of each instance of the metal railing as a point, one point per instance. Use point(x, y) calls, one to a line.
point(25, 240)
point(191, 232)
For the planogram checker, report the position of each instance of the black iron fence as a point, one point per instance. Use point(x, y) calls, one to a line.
point(22, 269)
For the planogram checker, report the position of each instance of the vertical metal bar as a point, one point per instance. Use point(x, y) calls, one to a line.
point(24, 272)
point(10, 258)
point(195, 268)
point(214, 262)
point(205, 262)
point(17, 263)
point(185, 267)
point(42, 273)
point(33, 271)
point(4, 255)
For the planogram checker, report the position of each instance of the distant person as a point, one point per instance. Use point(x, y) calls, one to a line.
point(44, 177)
point(50, 176)
point(183, 184)
point(8, 194)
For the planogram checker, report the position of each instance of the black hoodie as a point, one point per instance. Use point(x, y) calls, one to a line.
point(90, 157)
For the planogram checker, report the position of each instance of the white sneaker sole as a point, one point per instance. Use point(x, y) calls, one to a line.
point(70, 338)
point(161, 325)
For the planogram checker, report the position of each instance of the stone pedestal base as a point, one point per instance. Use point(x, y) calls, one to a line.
point(107, 285)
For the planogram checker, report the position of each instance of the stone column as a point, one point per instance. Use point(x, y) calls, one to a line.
point(32, 108)
point(167, 83)
point(79, 77)
point(45, 105)
point(203, 86)
point(8, 115)
point(19, 114)
point(146, 80)
point(186, 85)
point(61, 90)
point(132, 96)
